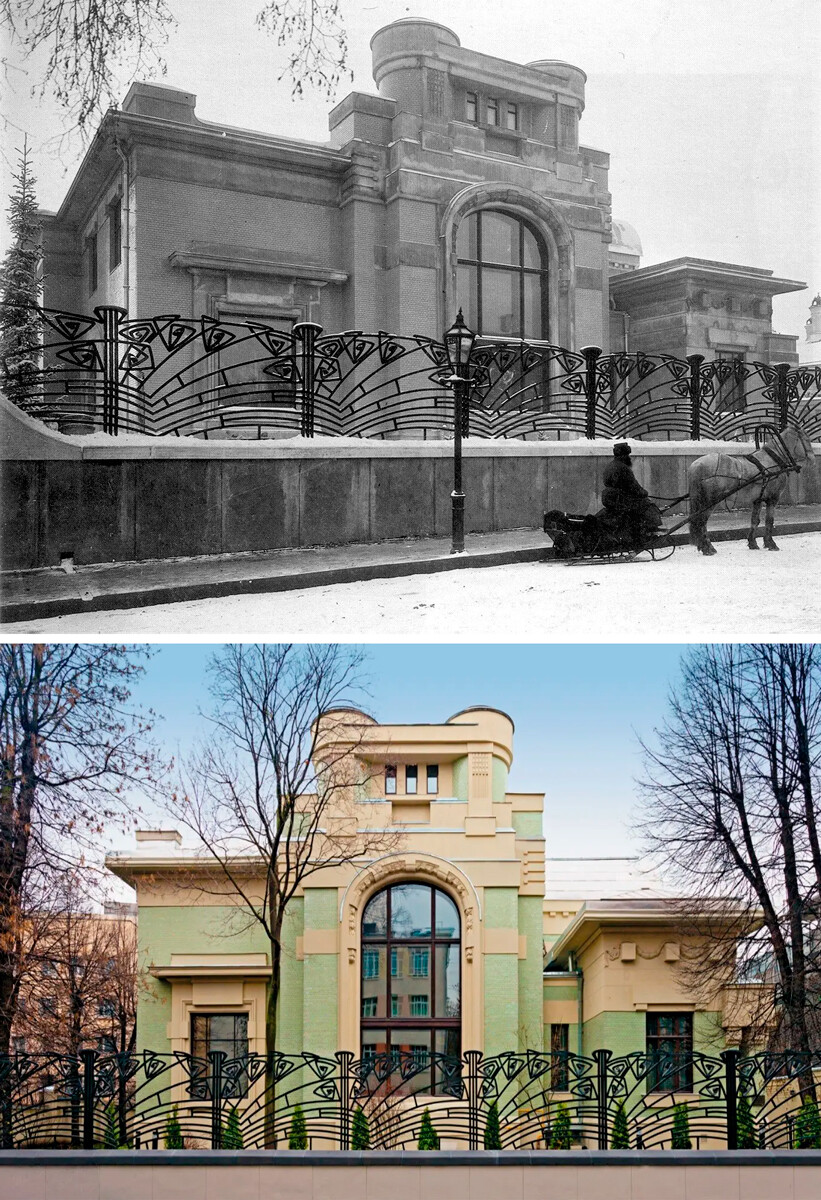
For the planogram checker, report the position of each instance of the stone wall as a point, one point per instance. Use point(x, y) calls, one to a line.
point(387, 1175)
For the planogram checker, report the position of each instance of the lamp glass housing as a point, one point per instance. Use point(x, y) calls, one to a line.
point(459, 341)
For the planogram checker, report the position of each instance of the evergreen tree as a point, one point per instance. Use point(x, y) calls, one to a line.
point(111, 1132)
point(428, 1137)
point(747, 1139)
point(620, 1138)
point(808, 1127)
point(298, 1137)
point(360, 1133)
point(493, 1134)
point(560, 1134)
point(232, 1135)
point(173, 1132)
point(681, 1129)
point(20, 285)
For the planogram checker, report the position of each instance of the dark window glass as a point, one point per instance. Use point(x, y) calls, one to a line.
point(493, 112)
point(512, 116)
point(91, 262)
point(729, 387)
point(411, 774)
point(115, 233)
point(670, 1052)
point(559, 1043)
point(471, 107)
point(567, 127)
point(218, 1031)
point(433, 779)
point(106, 1008)
point(390, 781)
point(502, 276)
point(416, 1008)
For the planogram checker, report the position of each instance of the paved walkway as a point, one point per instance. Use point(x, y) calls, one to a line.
point(51, 592)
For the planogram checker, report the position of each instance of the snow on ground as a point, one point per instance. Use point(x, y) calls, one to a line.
point(735, 596)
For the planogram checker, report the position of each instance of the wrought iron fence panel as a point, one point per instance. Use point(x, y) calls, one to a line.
point(394, 1088)
point(214, 377)
point(531, 1089)
point(772, 1087)
point(651, 1087)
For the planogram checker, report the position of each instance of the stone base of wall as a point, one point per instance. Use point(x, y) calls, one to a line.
point(380, 1175)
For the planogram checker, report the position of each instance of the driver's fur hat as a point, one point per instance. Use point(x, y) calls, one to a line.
point(622, 450)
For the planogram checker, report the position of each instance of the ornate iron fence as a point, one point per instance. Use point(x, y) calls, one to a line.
point(212, 378)
point(148, 1100)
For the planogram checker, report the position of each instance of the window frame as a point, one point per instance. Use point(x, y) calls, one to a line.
point(199, 1087)
point(391, 773)
point(482, 265)
point(92, 262)
point(492, 108)
point(512, 110)
point(411, 772)
point(559, 1056)
point(472, 101)
point(115, 232)
point(432, 775)
point(680, 1077)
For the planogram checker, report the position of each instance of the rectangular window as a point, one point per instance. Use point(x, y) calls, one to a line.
point(91, 262)
point(512, 115)
point(729, 387)
point(420, 963)
point(567, 127)
point(396, 970)
point(370, 964)
point(559, 1043)
point(115, 233)
point(471, 107)
point(106, 1045)
point(390, 781)
point(396, 1002)
point(19, 1045)
point(410, 780)
point(670, 1051)
point(419, 1006)
point(105, 1008)
point(369, 1006)
point(433, 779)
point(492, 112)
point(218, 1031)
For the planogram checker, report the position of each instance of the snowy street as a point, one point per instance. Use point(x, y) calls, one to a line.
point(736, 595)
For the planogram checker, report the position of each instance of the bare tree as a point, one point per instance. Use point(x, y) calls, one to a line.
point(732, 808)
point(271, 794)
point(74, 755)
point(88, 43)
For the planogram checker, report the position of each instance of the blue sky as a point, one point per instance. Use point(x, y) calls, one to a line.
point(577, 711)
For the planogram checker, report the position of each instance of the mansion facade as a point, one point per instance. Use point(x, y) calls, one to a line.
point(463, 936)
point(461, 183)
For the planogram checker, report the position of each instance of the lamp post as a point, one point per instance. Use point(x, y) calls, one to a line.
point(458, 346)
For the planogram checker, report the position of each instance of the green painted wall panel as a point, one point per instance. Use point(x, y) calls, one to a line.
point(501, 908)
point(621, 1032)
point(321, 1009)
point(498, 778)
point(527, 824)
point(321, 908)
point(561, 991)
point(501, 1002)
point(460, 779)
point(291, 1002)
point(530, 974)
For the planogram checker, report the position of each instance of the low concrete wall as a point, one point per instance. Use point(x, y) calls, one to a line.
point(376, 1175)
point(110, 500)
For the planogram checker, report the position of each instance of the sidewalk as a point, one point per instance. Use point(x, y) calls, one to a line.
point(51, 592)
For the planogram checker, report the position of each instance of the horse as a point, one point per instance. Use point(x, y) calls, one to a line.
point(741, 480)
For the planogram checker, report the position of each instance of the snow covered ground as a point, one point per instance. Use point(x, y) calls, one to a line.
point(735, 596)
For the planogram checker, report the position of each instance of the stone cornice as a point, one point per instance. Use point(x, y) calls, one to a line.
point(213, 257)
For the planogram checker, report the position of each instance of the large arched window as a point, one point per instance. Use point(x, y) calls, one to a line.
point(411, 975)
point(502, 275)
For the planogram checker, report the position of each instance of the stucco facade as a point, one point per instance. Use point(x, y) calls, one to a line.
point(525, 970)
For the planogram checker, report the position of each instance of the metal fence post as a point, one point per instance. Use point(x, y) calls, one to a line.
point(216, 1058)
point(345, 1059)
point(472, 1059)
point(111, 318)
point(694, 386)
point(591, 357)
point(5, 1102)
point(730, 1060)
point(602, 1058)
point(307, 332)
point(89, 1058)
point(781, 389)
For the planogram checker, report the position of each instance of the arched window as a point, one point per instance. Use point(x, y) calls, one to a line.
point(411, 975)
point(502, 275)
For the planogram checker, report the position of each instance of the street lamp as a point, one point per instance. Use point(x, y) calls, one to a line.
point(458, 346)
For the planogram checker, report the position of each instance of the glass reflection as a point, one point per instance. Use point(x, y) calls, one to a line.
point(375, 917)
point(410, 911)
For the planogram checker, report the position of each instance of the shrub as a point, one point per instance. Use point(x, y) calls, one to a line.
point(560, 1135)
point(111, 1131)
point(173, 1132)
point(298, 1137)
point(808, 1127)
point(232, 1135)
point(747, 1139)
point(493, 1134)
point(681, 1129)
point(360, 1133)
point(428, 1137)
point(620, 1139)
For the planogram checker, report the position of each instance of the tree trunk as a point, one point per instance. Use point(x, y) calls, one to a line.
point(271, 1013)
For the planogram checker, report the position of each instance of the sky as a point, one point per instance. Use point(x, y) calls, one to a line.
point(577, 712)
point(710, 109)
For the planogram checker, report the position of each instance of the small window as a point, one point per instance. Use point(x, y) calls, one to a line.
point(419, 963)
point(419, 1005)
point(670, 1051)
point(396, 969)
point(559, 1043)
point(433, 779)
point(115, 233)
point(493, 112)
point(106, 1045)
point(91, 262)
point(396, 1005)
point(77, 968)
point(567, 127)
point(48, 970)
point(390, 781)
point(512, 116)
point(227, 1032)
point(19, 1045)
point(105, 1008)
point(410, 780)
point(471, 107)
point(370, 964)
point(368, 1005)
point(48, 1005)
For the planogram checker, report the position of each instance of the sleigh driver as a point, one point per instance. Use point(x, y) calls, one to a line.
point(625, 501)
